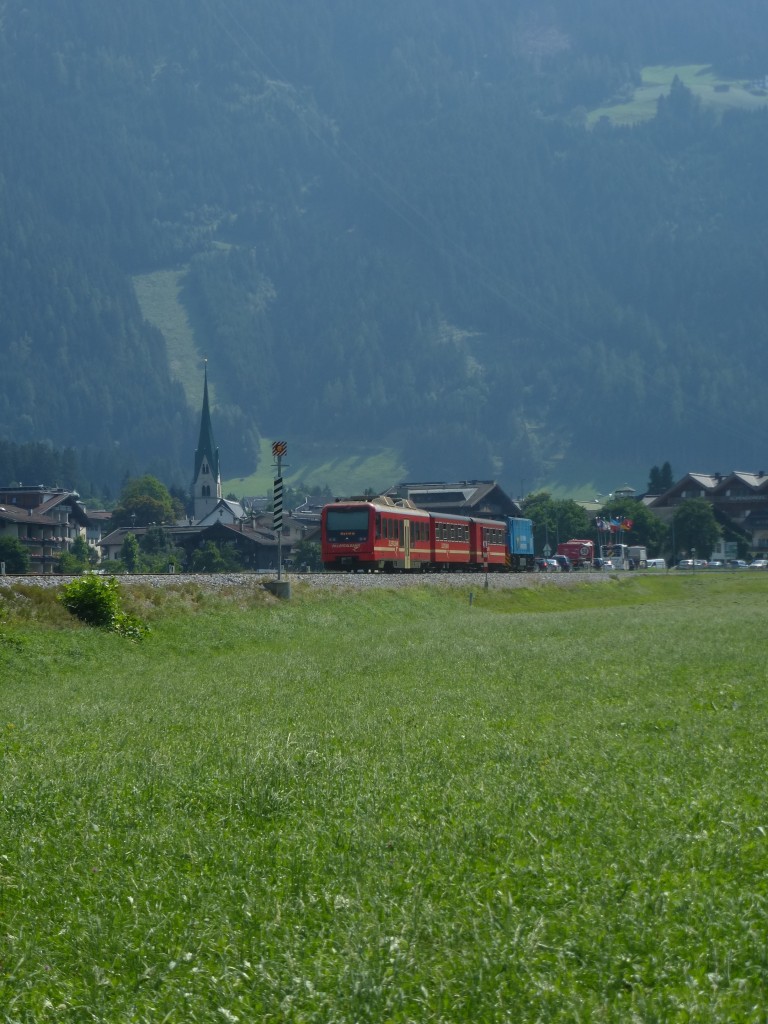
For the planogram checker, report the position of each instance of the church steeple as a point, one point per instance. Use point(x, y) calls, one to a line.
point(206, 483)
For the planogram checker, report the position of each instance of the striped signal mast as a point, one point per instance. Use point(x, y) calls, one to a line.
point(279, 449)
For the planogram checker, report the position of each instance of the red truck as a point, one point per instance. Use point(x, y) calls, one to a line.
point(580, 552)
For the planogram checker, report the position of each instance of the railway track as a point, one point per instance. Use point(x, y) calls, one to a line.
point(332, 580)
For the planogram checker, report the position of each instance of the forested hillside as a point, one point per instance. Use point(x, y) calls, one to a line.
point(392, 226)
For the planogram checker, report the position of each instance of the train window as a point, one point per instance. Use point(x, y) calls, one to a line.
point(378, 525)
point(347, 521)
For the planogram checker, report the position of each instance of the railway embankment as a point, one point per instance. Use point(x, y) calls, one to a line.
point(336, 581)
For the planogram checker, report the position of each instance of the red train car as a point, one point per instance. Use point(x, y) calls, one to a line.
point(382, 536)
point(490, 549)
point(374, 535)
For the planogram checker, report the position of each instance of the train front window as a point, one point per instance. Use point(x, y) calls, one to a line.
point(347, 524)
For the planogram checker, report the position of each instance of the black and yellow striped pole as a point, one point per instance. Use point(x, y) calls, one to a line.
point(279, 448)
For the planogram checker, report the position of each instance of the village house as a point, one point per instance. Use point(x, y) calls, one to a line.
point(46, 520)
point(481, 498)
point(740, 496)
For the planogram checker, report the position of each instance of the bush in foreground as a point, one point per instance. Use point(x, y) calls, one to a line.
point(96, 601)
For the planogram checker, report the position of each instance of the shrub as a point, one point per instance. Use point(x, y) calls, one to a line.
point(14, 554)
point(95, 600)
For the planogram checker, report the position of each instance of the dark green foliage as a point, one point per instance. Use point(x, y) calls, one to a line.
point(129, 552)
point(695, 528)
point(215, 557)
point(307, 556)
point(555, 520)
point(79, 557)
point(146, 502)
point(660, 480)
point(14, 554)
point(97, 602)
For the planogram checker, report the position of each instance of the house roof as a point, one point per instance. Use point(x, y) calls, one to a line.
point(465, 497)
point(703, 481)
point(11, 514)
point(234, 508)
point(757, 482)
point(68, 498)
point(713, 485)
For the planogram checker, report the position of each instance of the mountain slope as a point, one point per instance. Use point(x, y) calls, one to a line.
point(388, 226)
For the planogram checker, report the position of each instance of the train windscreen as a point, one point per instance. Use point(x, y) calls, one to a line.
point(347, 524)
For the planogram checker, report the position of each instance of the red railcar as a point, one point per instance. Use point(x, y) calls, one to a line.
point(490, 548)
point(382, 536)
point(373, 535)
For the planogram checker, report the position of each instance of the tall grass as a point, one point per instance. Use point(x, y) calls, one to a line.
point(388, 807)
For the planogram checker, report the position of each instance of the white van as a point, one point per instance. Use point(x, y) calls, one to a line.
point(656, 563)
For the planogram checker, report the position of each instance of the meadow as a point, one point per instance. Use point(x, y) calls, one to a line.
point(541, 805)
point(719, 94)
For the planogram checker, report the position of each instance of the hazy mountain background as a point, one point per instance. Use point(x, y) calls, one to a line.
point(419, 228)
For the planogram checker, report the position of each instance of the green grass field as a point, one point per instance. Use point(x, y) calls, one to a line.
point(546, 805)
point(718, 93)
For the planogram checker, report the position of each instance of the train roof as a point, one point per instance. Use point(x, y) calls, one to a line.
point(384, 503)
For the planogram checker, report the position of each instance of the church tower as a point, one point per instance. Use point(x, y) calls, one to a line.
point(206, 483)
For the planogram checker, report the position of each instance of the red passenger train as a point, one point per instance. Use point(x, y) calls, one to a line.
point(383, 536)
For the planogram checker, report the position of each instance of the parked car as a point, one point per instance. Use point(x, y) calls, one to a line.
point(603, 564)
point(564, 562)
point(541, 565)
point(759, 563)
point(554, 565)
point(736, 563)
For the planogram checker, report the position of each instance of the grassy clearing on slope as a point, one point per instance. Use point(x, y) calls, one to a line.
point(718, 93)
point(158, 296)
point(388, 806)
point(314, 466)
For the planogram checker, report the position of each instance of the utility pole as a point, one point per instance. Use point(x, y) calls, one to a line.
point(279, 449)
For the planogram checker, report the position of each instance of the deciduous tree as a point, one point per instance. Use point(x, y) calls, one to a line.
point(695, 527)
